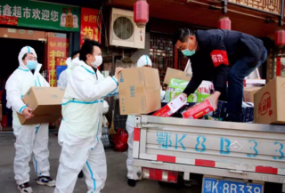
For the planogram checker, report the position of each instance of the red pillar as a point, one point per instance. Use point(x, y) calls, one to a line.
point(278, 66)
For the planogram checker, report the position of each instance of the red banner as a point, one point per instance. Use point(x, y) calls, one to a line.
point(8, 20)
point(57, 47)
point(89, 28)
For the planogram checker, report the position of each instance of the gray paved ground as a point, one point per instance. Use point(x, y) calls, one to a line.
point(116, 181)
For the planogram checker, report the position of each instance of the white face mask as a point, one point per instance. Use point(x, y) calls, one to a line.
point(98, 61)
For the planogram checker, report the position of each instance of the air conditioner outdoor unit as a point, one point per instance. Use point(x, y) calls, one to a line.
point(123, 30)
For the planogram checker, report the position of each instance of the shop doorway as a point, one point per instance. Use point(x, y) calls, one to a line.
point(9, 51)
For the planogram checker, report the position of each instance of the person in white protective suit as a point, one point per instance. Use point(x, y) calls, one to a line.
point(80, 130)
point(144, 61)
point(30, 139)
point(63, 77)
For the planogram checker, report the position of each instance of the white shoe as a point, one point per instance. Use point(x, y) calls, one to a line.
point(25, 188)
point(46, 181)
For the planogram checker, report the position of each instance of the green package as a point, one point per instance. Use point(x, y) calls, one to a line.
point(177, 86)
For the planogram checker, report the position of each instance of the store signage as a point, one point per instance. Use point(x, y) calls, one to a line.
point(41, 15)
point(7, 20)
point(89, 28)
point(57, 47)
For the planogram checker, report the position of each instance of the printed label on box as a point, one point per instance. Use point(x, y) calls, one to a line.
point(264, 104)
point(171, 107)
point(199, 110)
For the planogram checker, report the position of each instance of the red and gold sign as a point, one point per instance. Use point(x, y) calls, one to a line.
point(89, 28)
point(57, 47)
point(60, 61)
point(8, 20)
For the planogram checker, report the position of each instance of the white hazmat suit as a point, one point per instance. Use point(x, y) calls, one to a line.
point(143, 61)
point(30, 139)
point(63, 77)
point(80, 130)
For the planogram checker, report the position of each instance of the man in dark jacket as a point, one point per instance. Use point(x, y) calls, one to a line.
point(221, 56)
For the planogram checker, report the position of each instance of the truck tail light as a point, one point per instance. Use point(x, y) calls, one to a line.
point(160, 175)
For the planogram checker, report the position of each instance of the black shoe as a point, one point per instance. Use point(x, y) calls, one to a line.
point(80, 175)
point(132, 183)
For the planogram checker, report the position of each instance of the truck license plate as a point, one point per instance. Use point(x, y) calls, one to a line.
point(222, 186)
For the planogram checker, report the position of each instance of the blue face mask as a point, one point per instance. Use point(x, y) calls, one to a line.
point(31, 64)
point(188, 52)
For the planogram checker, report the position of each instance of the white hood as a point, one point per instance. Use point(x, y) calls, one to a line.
point(76, 62)
point(25, 50)
point(68, 61)
point(144, 60)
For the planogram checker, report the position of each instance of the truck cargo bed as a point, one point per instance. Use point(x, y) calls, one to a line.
point(226, 149)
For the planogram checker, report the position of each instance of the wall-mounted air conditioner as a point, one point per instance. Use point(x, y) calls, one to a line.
point(123, 30)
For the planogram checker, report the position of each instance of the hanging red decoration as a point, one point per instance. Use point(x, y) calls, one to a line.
point(225, 23)
point(141, 13)
point(280, 37)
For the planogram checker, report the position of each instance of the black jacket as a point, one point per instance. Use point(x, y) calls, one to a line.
point(218, 50)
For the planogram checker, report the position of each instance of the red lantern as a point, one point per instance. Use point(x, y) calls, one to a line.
point(225, 23)
point(141, 13)
point(280, 37)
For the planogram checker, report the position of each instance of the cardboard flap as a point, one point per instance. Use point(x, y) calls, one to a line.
point(131, 77)
point(48, 95)
point(30, 99)
point(178, 74)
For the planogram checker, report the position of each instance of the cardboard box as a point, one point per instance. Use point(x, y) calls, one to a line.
point(177, 86)
point(46, 104)
point(248, 93)
point(139, 91)
point(269, 103)
point(178, 74)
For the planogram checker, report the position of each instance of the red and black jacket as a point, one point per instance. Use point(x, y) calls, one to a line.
point(217, 51)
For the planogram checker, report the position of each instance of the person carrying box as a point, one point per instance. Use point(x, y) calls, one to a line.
point(63, 80)
point(221, 56)
point(30, 139)
point(80, 129)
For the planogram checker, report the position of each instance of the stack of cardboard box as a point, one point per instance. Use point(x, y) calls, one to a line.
point(139, 91)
